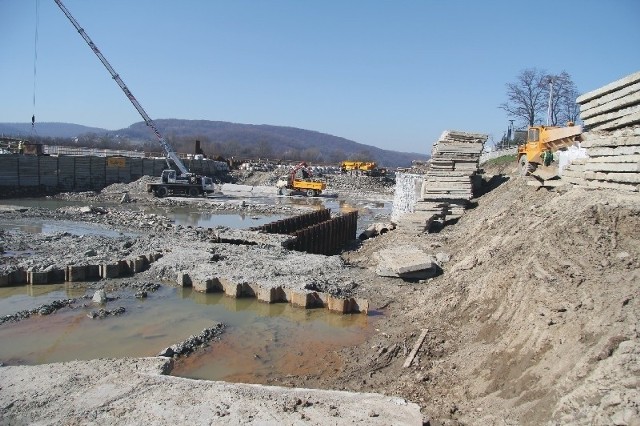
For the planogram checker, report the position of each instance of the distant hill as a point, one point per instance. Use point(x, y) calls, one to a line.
point(52, 130)
point(240, 140)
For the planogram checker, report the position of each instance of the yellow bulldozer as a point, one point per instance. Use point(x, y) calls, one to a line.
point(542, 142)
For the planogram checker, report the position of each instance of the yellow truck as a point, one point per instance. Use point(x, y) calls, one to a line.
point(541, 139)
point(368, 168)
point(300, 178)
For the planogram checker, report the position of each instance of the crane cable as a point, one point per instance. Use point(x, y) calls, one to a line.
point(35, 66)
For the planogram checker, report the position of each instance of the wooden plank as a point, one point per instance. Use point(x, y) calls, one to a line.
point(611, 87)
point(416, 347)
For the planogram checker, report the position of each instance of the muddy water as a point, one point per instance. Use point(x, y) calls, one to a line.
point(186, 217)
point(261, 341)
point(34, 226)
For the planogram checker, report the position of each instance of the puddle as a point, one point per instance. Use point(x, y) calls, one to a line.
point(35, 226)
point(15, 299)
point(262, 341)
point(185, 217)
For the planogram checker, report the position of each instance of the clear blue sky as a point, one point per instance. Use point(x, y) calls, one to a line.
point(393, 74)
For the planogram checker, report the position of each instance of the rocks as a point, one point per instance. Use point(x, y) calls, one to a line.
point(100, 297)
point(103, 313)
point(45, 309)
point(194, 342)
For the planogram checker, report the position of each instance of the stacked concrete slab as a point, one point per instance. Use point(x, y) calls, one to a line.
point(611, 115)
point(448, 185)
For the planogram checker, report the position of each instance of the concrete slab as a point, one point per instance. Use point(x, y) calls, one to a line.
point(138, 391)
point(405, 262)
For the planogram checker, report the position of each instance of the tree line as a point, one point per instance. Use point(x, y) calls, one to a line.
point(211, 149)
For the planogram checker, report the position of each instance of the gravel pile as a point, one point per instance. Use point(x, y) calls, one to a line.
point(346, 182)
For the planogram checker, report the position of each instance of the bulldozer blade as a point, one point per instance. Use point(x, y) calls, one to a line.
point(545, 173)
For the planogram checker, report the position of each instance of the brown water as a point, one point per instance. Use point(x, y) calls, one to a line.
point(261, 341)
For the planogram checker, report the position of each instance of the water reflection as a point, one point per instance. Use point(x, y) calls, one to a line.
point(261, 340)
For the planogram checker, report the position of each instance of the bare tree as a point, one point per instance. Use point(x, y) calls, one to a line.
point(526, 98)
point(563, 93)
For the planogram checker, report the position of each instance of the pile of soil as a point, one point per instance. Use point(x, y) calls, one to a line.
point(534, 318)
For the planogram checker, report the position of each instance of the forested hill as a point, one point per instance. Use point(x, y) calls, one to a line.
point(231, 139)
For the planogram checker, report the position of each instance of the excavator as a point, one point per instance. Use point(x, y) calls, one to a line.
point(172, 182)
point(545, 140)
point(300, 178)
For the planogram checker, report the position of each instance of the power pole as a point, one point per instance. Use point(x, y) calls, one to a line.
point(550, 97)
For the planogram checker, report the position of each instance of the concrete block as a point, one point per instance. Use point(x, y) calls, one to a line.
point(111, 270)
point(19, 277)
point(76, 273)
point(4, 280)
point(630, 118)
point(613, 105)
point(271, 294)
point(184, 280)
point(314, 300)
point(611, 87)
point(35, 277)
point(124, 267)
point(300, 299)
point(249, 290)
point(337, 304)
point(231, 289)
point(92, 272)
point(359, 305)
point(207, 285)
point(56, 275)
point(405, 261)
point(612, 167)
point(138, 264)
point(586, 108)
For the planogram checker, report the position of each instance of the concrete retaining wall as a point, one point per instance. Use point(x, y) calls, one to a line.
point(298, 298)
point(85, 173)
point(75, 273)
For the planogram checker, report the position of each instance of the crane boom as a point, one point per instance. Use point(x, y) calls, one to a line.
point(165, 145)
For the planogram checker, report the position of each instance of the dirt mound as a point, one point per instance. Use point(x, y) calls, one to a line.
point(534, 318)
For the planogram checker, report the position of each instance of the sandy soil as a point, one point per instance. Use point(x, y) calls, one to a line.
point(533, 320)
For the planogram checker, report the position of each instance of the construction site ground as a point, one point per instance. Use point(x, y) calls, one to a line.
point(533, 318)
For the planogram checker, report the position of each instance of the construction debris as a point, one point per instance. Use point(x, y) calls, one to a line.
point(448, 185)
point(406, 262)
point(612, 114)
point(416, 348)
point(613, 106)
